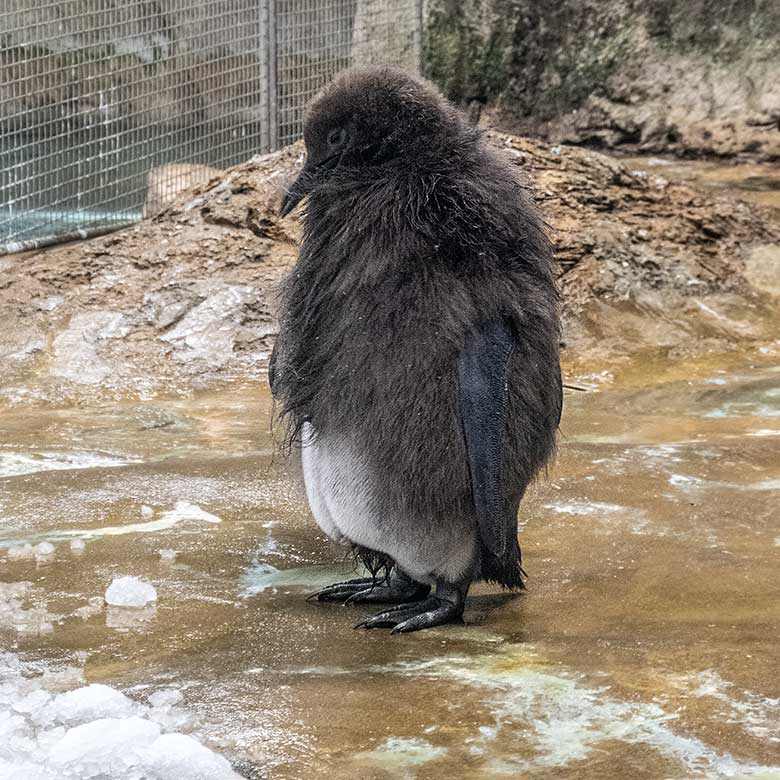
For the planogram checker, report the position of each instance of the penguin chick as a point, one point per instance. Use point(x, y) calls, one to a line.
point(417, 362)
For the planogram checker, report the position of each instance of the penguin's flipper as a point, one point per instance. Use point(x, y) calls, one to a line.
point(483, 369)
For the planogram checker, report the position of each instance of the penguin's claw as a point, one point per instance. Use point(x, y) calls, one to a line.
point(366, 590)
point(340, 591)
point(404, 618)
point(390, 594)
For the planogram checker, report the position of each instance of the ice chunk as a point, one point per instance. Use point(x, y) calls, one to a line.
point(168, 555)
point(107, 747)
point(166, 713)
point(24, 620)
point(180, 757)
point(77, 545)
point(44, 551)
point(13, 591)
point(93, 607)
point(91, 702)
point(50, 737)
point(130, 592)
point(168, 697)
point(23, 772)
point(22, 552)
point(32, 702)
point(172, 718)
point(94, 731)
point(147, 511)
point(184, 510)
point(64, 679)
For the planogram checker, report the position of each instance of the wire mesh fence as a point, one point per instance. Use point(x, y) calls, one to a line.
point(108, 108)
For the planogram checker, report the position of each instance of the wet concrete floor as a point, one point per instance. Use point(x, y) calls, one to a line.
point(646, 645)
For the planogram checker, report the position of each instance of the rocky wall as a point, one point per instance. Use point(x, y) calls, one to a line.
point(689, 76)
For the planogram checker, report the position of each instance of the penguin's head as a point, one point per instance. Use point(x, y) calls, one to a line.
point(368, 117)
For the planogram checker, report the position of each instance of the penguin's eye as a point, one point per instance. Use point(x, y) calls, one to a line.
point(337, 137)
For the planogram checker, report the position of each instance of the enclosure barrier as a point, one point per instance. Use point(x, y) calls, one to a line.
point(108, 108)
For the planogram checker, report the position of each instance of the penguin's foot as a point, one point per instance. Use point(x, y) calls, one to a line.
point(396, 589)
point(445, 607)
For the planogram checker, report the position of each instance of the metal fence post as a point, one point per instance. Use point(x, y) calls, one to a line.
point(263, 48)
point(421, 15)
point(273, 113)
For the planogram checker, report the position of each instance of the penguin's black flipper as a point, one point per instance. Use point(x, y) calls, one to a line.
point(483, 395)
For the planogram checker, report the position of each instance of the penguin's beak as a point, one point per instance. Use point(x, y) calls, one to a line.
point(299, 189)
point(289, 202)
point(308, 179)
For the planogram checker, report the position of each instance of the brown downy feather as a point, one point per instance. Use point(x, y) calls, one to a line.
point(419, 235)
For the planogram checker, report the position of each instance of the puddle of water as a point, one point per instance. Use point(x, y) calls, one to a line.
point(645, 647)
point(12, 464)
point(758, 182)
point(554, 719)
point(402, 757)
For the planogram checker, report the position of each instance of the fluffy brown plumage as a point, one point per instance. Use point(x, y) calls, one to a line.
point(416, 236)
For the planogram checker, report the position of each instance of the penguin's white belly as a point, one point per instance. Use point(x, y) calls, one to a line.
point(346, 507)
point(339, 491)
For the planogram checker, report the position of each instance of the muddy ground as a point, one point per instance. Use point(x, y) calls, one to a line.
point(187, 298)
point(135, 441)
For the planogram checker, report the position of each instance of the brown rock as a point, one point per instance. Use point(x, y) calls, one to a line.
point(188, 297)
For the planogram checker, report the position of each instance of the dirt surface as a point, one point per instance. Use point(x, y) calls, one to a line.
point(187, 298)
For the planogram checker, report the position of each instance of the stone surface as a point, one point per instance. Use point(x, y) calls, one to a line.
point(165, 182)
point(698, 77)
point(187, 298)
point(762, 268)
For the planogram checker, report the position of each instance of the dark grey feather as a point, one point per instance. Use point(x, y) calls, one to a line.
point(483, 369)
point(418, 237)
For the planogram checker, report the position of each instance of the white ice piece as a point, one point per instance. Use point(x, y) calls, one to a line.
point(44, 551)
point(17, 616)
point(94, 731)
point(93, 607)
point(32, 702)
point(130, 592)
point(107, 746)
point(168, 555)
point(166, 712)
point(168, 697)
point(184, 510)
point(181, 757)
point(92, 702)
point(22, 552)
point(77, 545)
